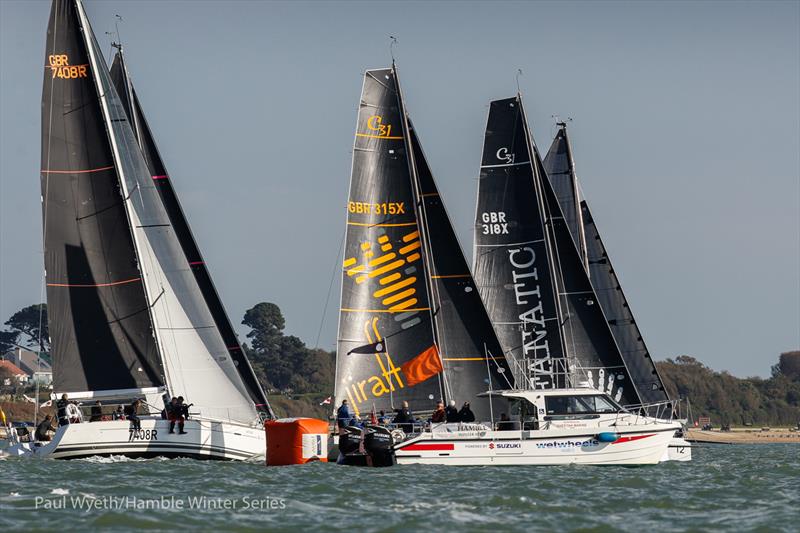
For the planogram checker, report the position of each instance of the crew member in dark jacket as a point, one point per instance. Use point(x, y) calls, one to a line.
point(451, 413)
point(132, 412)
point(42, 429)
point(343, 416)
point(439, 414)
point(404, 418)
point(97, 412)
point(61, 410)
point(466, 414)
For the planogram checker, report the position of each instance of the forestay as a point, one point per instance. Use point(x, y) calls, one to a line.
point(196, 362)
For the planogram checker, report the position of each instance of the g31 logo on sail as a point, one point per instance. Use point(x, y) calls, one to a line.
point(375, 123)
point(503, 155)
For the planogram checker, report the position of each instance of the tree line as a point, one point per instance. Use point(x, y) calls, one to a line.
point(286, 366)
point(727, 399)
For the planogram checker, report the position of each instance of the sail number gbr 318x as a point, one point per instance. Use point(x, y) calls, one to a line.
point(385, 208)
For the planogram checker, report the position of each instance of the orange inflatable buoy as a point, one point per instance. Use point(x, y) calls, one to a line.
point(295, 441)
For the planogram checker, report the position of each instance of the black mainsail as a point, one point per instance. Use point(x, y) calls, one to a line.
point(471, 353)
point(97, 307)
point(106, 228)
point(587, 344)
point(405, 332)
point(384, 300)
point(130, 101)
point(512, 268)
point(559, 165)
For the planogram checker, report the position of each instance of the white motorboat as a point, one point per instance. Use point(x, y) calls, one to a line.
point(547, 427)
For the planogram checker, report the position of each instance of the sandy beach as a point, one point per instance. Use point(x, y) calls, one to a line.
point(744, 436)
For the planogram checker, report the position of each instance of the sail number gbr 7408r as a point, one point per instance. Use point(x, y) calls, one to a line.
point(59, 63)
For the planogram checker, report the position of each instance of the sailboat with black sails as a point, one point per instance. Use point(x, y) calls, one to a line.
point(413, 328)
point(559, 165)
point(130, 313)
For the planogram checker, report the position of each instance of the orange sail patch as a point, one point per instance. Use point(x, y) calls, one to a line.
point(422, 367)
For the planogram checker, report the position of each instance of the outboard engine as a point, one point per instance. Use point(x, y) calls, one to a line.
point(371, 446)
point(378, 443)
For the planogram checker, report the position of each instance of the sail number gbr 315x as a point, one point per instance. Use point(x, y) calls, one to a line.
point(385, 208)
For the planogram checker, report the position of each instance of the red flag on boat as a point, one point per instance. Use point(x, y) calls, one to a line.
point(424, 366)
point(326, 401)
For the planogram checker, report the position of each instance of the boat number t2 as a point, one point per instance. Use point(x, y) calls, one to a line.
point(142, 434)
point(503, 155)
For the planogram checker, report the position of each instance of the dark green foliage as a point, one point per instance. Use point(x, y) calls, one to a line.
point(731, 400)
point(284, 362)
point(23, 330)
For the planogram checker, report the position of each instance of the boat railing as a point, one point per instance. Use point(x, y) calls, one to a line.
point(651, 412)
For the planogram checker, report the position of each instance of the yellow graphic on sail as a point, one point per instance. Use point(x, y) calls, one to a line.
point(393, 269)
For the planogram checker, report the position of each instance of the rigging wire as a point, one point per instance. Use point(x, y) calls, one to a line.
point(330, 286)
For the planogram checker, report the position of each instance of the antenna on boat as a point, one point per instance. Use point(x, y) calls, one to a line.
point(111, 34)
point(392, 42)
point(561, 123)
point(516, 78)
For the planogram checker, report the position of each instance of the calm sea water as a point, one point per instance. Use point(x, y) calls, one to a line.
point(725, 487)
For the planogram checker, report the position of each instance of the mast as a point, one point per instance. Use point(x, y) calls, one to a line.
point(512, 256)
point(577, 189)
point(549, 239)
point(98, 313)
point(192, 351)
point(423, 227)
point(163, 182)
point(88, 36)
point(607, 286)
point(386, 353)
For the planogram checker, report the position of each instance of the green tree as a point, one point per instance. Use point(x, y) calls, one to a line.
point(284, 361)
point(24, 331)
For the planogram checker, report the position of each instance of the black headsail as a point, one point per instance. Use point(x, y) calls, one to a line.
point(587, 345)
point(512, 268)
point(560, 169)
point(144, 136)
point(386, 352)
point(561, 172)
point(98, 315)
point(470, 351)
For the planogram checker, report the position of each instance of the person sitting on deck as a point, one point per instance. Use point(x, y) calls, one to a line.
point(451, 413)
point(439, 414)
point(404, 419)
point(119, 414)
point(466, 414)
point(175, 413)
point(43, 428)
point(505, 423)
point(97, 412)
point(132, 412)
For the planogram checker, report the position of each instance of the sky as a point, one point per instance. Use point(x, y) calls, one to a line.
point(686, 128)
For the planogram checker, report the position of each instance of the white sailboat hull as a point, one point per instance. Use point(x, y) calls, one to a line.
point(204, 439)
point(641, 445)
